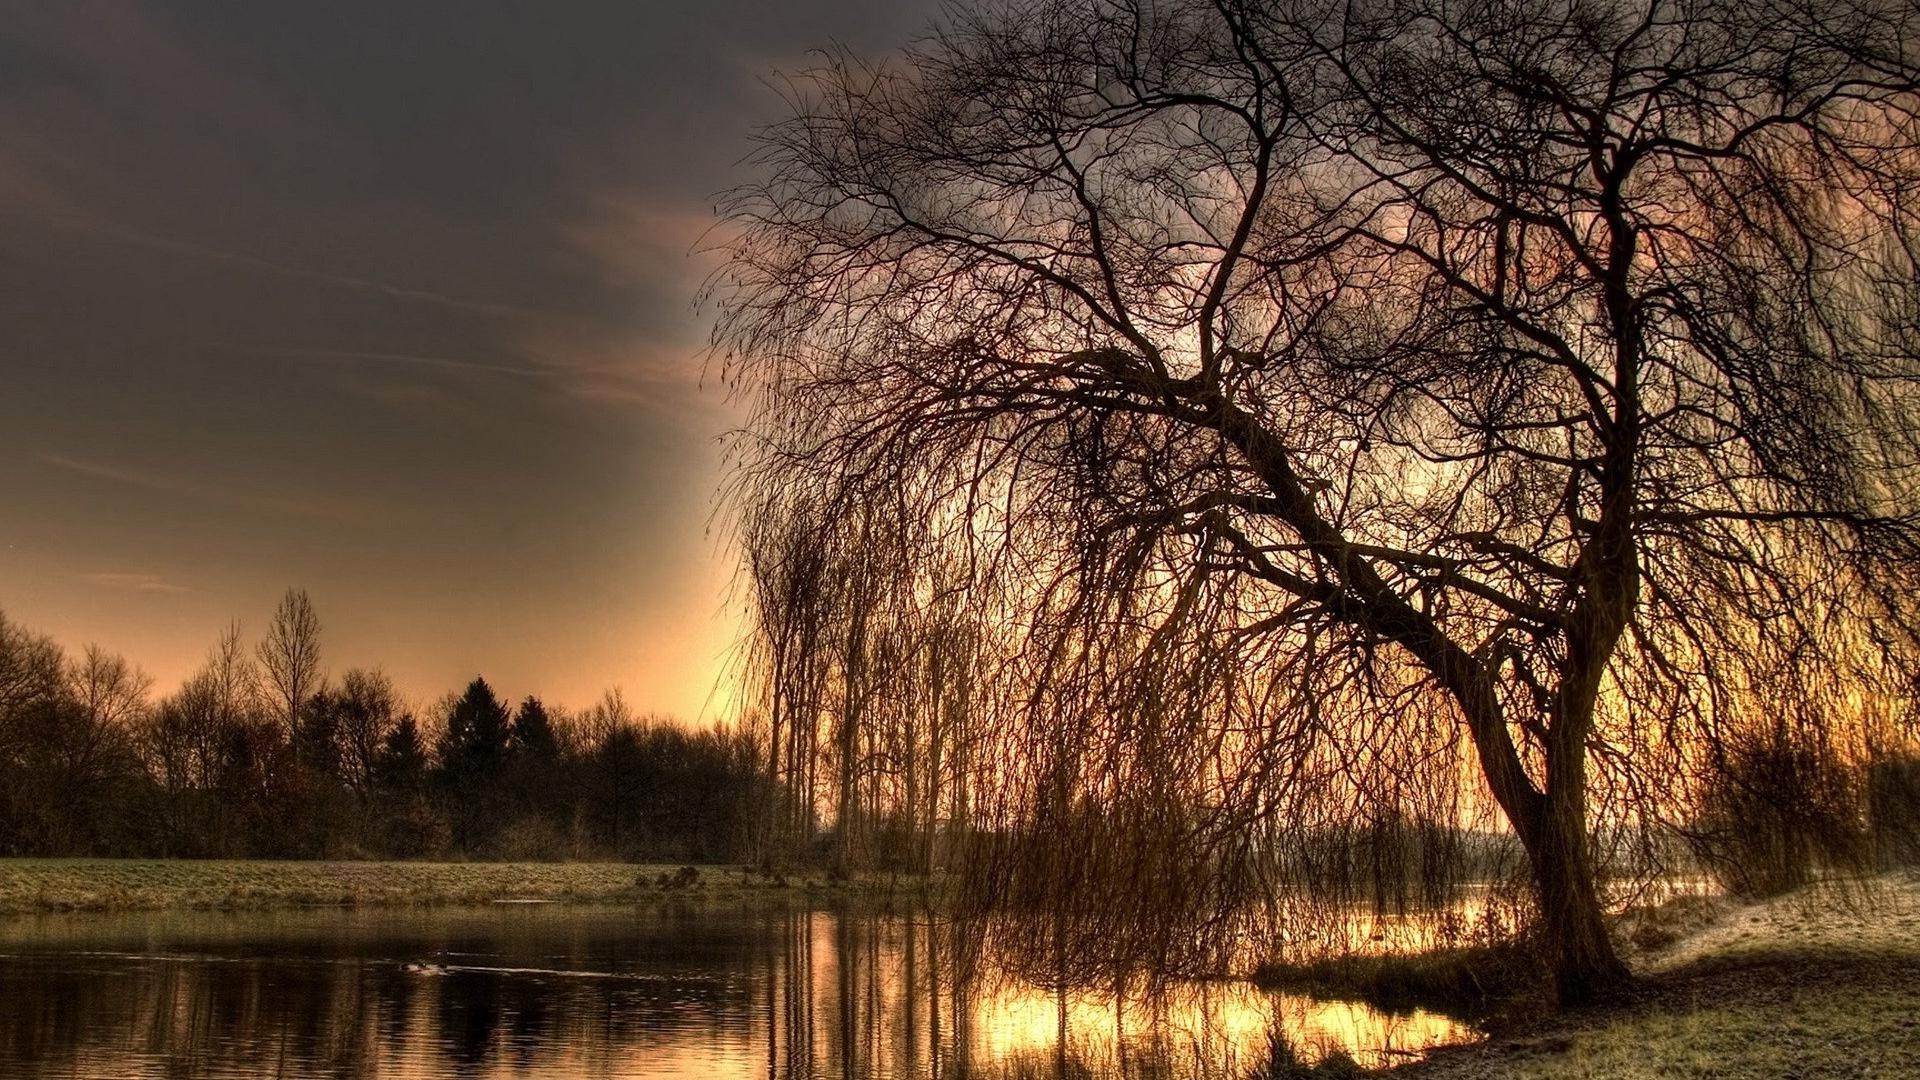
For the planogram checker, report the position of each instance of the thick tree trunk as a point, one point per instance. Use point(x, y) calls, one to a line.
point(1585, 966)
point(1552, 827)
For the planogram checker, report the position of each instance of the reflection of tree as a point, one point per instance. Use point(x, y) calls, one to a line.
point(814, 994)
point(392, 992)
point(470, 1013)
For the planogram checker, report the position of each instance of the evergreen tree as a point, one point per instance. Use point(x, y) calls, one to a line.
point(533, 737)
point(401, 765)
point(473, 759)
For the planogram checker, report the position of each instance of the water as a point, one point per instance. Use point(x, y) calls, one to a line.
point(548, 992)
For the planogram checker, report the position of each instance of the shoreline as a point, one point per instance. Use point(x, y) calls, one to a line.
point(1824, 981)
point(1821, 982)
point(52, 886)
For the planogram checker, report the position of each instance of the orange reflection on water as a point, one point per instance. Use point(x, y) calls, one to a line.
point(778, 993)
point(1219, 1028)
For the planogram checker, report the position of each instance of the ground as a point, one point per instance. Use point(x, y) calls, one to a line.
point(30, 885)
point(1821, 983)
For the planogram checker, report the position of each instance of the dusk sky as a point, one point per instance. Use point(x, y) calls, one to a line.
point(389, 301)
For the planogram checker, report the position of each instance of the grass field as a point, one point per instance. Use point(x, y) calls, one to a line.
point(36, 885)
point(1821, 983)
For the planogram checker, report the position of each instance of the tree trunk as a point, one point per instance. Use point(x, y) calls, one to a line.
point(1581, 955)
point(1552, 827)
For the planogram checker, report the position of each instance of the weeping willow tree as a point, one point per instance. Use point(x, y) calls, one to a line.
point(1314, 397)
point(868, 656)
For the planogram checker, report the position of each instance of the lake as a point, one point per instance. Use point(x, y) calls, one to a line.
point(549, 991)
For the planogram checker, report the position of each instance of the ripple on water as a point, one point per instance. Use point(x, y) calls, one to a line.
point(550, 992)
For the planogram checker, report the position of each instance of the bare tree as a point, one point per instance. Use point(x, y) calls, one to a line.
point(111, 692)
point(236, 682)
point(367, 709)
point(201, 739)
point(791, 589)
point(1297, 373)
point(290, 657)
point(30, 668)
point(63, 738)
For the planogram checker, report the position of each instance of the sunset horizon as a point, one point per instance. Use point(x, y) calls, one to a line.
point(960, 539)
point(377, 324)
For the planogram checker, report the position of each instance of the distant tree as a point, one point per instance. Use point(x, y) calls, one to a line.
point(214, 752)
point(91, 761)
point(535, 766)
point(409, 824)
point(34, 710)
point(89, 766)
point(534, 738)
point(164, 743)
point(472, 761)
point(401, 765)
point(368, 710)
point(111, 692)
point(70, 775)
point(612, 782)
point(316, 741)
point(477, 732)
point(233, 682)
point(30, 670)
point(290, 657)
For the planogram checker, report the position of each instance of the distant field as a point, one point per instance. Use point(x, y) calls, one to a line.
point(30, 885)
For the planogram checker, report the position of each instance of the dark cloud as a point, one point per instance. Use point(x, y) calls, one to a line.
point(390, 300)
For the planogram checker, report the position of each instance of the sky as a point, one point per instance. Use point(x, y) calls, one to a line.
point(389, 301)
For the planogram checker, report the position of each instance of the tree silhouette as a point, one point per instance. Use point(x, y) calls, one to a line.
point(290, 657)
point(368, 710)
point(533, 736)
point(473, 760)
point(402, 762)
point(1293, 375)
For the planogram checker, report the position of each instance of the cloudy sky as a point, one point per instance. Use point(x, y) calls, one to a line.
point(389, 300)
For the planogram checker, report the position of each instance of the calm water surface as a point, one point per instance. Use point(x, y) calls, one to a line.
point(547, 991)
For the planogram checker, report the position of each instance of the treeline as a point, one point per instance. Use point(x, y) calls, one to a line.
point(261, 754)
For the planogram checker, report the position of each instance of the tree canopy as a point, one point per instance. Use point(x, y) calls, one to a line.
point(1314, 394)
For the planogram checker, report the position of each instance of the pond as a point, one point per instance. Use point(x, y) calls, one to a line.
point(556, 991)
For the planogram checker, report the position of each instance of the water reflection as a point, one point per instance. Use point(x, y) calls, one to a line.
point(570, 992)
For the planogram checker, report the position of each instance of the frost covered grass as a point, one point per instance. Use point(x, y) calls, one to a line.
point(1824, 982)
point(36, 885)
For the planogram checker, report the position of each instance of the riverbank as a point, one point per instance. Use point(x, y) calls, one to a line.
point(1820, 983)
point(46, 885)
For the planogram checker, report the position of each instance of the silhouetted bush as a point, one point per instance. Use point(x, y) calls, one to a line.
point(1779, 807)
point(1464, 981)
point(1893, 809)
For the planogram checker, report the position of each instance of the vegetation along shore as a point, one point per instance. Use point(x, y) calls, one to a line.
point(50, 885)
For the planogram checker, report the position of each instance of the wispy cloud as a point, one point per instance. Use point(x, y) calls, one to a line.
point(439, 363)
point(667, 380)
point(346, 281)
point(125, 582)
point(308, 507)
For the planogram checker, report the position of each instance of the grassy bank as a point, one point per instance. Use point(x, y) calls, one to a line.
point(1466, 982)
point(1820, 983)
point(38, 885)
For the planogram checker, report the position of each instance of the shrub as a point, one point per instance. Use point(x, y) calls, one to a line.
point(1893, 809)
point(1774, 809)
